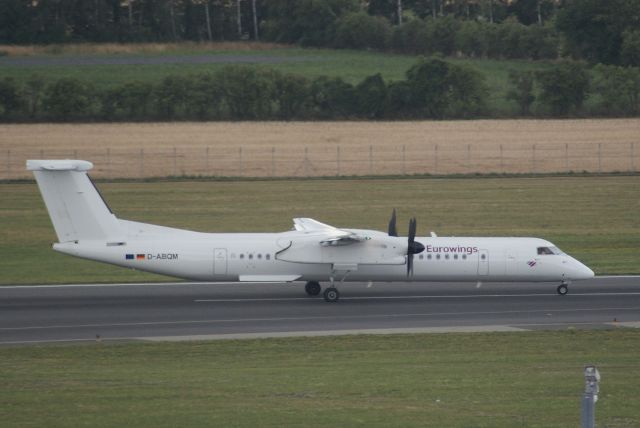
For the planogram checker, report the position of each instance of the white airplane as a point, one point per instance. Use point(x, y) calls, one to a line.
point(311, 252)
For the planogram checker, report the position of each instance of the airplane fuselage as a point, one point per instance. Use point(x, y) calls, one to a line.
point(262, 257)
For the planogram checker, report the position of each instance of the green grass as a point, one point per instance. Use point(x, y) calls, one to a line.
point(592, 218)
point(451, 380)
point(351, 65)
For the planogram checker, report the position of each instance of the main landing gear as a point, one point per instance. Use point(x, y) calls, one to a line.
point(563, 289)
point(313, 288)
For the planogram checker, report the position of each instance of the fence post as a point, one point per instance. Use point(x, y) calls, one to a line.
point(141, 163)
point(240, 161)
point(566, 156)
point(175, 166)
point(599, 157)
point(370, 160)
point(273, 161)
point(306, 161)
point(435, 160)
point(108, 162)
point(404, 159)
point(206, 161)
point(338, 160)
point(533, 158)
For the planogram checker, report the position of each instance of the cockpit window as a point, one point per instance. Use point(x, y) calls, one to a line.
point(549, 251)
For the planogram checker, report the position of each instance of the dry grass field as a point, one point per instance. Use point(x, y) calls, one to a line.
point(298, 149)
point(133, 48)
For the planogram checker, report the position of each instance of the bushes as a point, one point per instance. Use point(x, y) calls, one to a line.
point(564, 87)
point(439, 89)
point(619, 89)
point(433, 88)
point(70, 99)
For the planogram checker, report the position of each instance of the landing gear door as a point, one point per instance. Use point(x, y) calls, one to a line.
point(220, 261)
point(483, 262)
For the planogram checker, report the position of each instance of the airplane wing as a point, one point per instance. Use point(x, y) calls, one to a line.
point(330, 235)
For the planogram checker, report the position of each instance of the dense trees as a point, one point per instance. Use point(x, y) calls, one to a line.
point(597, 30)
point(603, 31)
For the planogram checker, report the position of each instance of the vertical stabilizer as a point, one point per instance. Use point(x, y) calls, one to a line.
point(77, 210)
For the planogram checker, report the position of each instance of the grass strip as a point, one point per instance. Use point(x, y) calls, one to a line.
point(480, 380)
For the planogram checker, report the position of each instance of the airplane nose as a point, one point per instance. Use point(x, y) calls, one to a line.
point(588, 273)
point(583, 271)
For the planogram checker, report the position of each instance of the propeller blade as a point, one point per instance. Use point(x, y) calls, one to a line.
point(393, 230)
point(413, 247)
point(412, 229)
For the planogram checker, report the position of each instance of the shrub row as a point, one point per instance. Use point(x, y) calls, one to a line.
point(432, 89)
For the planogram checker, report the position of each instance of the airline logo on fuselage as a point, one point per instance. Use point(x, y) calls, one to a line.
point(459, 249)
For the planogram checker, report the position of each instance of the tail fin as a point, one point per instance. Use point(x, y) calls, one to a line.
point(75, 206)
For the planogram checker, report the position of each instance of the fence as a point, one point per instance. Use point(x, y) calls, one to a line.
point(336, 160)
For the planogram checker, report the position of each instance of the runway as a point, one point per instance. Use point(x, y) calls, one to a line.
point(188, 311)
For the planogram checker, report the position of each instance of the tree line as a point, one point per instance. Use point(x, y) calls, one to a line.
point(432, 89)
point(598, 31)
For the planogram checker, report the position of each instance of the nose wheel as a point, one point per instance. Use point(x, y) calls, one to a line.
point(562, 289)
point(312, 288)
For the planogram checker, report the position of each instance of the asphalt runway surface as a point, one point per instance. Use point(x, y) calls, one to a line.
point(188, 311)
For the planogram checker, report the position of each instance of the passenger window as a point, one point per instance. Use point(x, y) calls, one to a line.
point(259, 256)
point(483, 257)
point(438, 256)
point(421, 257)
point(242, 256)
point(455, 256)
point(446, 256)
point(464, 257)
point(429, 256)
point(268, 257)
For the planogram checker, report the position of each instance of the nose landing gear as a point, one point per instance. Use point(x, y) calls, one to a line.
point(563, 289)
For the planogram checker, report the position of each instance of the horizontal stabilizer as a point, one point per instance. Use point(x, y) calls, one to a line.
point(59, 165)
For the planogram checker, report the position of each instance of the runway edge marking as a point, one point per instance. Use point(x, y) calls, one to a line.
point(276, 334)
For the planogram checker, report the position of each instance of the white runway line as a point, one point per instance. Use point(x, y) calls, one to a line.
point(314, 318)
point(457, 296)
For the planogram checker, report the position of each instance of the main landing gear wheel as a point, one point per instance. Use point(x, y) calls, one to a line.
point(313, 288)
point(331, 294)
point(562, 289)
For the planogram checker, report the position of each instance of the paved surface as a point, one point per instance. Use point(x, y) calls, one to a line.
point(34, 314)
point(71, 60)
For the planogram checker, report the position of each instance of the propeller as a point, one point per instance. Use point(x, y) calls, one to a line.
point(413, 247)
point(393, 230)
